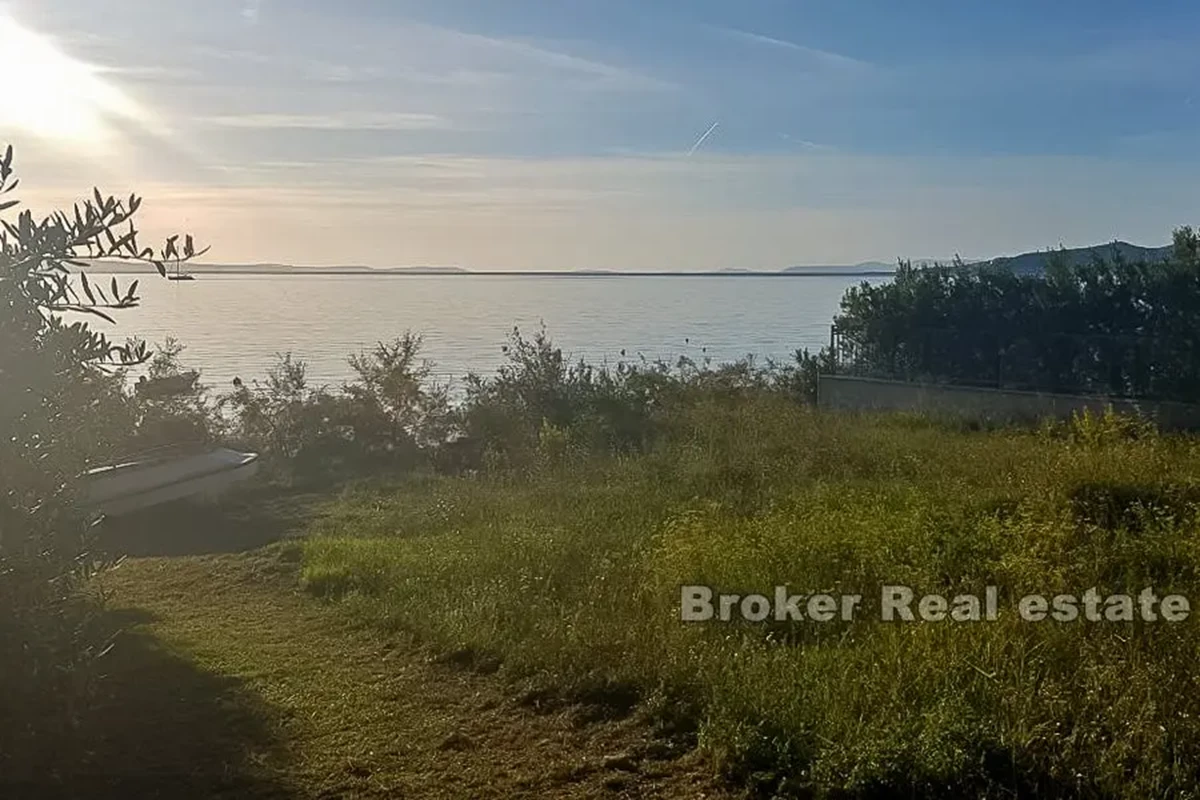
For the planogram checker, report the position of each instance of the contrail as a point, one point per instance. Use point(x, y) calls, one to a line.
point(706, 134)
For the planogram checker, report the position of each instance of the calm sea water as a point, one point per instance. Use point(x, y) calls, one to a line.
point(234, 325)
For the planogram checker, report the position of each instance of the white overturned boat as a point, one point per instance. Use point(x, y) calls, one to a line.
point(162, 476)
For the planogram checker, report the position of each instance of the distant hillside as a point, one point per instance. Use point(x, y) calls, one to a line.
point(865, 268)
point(1032, 263)
point(1035, 263)
point(425, 270)
point(132, 267)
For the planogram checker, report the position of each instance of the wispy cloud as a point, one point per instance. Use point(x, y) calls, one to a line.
point(375, 121)
point(604, 74)
point(251, 11)
point(343, 73)
point(666, 211)
point(211, 52)
point(817, 55)
point(567, 143)
point(816, 178)
point(806, 144)
point(450, 50)
point(151, 72)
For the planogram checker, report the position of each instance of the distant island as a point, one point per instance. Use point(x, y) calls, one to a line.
point(1031, 263)
point(865, 268)
point(1035, 263)
point(127, 267)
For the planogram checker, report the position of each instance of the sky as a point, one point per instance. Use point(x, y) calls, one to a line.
point(612, 134)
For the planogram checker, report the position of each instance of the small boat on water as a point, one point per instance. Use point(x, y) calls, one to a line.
point(165, 475)
point(179, 274)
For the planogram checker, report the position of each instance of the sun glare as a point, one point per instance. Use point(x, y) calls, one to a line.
point(51, 95)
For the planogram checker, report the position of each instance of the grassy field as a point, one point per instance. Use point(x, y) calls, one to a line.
point(228, 681)
point(568, 577)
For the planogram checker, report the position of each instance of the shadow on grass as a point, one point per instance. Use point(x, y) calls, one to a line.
point(158, 726)
point(247, 521)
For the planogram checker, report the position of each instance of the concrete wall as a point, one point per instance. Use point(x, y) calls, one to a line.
point(865, 394)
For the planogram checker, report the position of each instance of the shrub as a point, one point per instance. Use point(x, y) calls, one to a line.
point(1107, 327)
point(61, 410)
point(623, 408)
point(170, 405)
point(388, 418)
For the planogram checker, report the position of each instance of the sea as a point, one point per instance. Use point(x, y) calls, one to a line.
point(235, 326)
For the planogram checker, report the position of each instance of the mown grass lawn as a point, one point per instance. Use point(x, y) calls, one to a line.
point(569, 575)
point(228, 681)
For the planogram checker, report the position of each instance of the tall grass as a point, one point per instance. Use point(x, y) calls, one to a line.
point(570, 574)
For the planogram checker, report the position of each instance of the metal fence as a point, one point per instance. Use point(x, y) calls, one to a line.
point(1127, 366)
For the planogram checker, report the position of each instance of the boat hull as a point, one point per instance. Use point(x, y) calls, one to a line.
point(137, 484)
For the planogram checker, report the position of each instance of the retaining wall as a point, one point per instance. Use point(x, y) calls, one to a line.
point(867, 394)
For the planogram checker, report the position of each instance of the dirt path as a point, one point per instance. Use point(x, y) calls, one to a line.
point(231, 682)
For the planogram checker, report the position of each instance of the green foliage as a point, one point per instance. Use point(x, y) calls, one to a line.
point(392, 392)
point(393, 417)
point(571, 578)
point(1109, 327)
point(1100, 429)
point(536, 386)
point(169, 404)
point(62, 409)
point(553, 443)
point(279, 415)
point(387, 419)
point(800, 380)
point(622, 409)
point(1186, 246)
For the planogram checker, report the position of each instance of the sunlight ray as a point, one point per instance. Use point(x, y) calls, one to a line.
point(54, 96)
